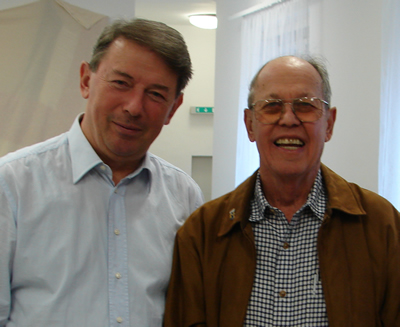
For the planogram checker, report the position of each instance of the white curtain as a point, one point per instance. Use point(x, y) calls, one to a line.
point(280, 29)
point(42, 46)
point(389, 156)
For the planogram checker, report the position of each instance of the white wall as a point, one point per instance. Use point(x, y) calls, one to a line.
point(351, 44)
point(227, 84)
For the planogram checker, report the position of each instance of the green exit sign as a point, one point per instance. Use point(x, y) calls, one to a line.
point(202, 110)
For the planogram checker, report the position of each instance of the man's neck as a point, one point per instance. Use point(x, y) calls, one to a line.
point(120, 169)
point(288, 194)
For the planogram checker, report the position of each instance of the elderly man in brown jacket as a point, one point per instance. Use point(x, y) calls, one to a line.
point(295, 244)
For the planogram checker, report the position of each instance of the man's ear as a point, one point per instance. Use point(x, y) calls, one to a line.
point(178, 101)
point(330, 123)
point(248, 121)
point(85, 73)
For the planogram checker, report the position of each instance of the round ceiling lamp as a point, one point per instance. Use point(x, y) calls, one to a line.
point(207, 21)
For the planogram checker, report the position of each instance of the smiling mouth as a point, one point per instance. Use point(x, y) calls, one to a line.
point(128, 128)
point(289, 144)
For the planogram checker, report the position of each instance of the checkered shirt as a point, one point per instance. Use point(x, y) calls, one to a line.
point(287, 290)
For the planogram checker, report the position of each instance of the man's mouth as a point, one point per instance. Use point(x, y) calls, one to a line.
point(289, 143)
point(128, 127)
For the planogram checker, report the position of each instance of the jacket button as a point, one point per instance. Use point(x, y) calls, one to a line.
point(282, 293)
point(286, 245)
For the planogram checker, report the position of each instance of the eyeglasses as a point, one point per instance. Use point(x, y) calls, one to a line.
point(306, 109)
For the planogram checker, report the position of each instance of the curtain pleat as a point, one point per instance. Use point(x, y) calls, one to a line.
point(389, 149)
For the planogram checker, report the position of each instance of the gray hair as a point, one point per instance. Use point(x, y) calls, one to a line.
point(316, 62)
point(165, 41)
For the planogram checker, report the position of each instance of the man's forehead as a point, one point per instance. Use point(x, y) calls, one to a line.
point(287, 70)
point(287, 64)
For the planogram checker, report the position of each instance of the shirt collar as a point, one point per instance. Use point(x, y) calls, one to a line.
point(316, 196)
point(84, 158)
point(145, 167)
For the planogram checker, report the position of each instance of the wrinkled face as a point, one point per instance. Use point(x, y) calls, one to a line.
point(289, 148)
point(129, 99)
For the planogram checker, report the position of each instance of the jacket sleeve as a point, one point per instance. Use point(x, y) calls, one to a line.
point(390, 313)
point(185, 297)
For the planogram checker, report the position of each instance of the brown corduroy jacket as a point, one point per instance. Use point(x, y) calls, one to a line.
point(358, 250)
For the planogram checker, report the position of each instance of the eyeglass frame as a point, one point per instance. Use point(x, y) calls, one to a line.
point(284, 101)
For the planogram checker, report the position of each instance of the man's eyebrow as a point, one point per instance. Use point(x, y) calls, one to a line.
point(160, 87)
point(121, 73)
point(276, 96)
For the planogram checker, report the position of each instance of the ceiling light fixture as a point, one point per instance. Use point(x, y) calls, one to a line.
point(208, 21)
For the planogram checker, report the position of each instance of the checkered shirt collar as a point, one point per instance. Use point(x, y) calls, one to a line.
point(314, 200)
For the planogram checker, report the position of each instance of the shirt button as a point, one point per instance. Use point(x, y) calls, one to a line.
point(285, 245)
point(103, 167)
point(116, 231)
point(119, 319)
point(282, 293)
point(118, 275)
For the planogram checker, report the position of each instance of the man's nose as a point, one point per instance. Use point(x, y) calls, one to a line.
point(288, 117)
point(134, 103)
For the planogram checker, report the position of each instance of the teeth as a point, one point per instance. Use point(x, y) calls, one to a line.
point(289, 142)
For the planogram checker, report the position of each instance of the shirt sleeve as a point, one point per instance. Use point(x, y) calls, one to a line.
point(198, 197)
point(7, 247)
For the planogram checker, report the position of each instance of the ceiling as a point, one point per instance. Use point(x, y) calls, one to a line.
point(173, 12)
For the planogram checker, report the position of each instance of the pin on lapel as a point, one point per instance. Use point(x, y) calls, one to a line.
point(232, 214)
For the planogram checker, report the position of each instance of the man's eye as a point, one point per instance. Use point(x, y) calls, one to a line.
point(119, 83)
point(271, 106)
point(303, 106)
point(156, 96)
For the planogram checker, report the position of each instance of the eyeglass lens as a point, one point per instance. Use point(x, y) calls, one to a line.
point(305, 109)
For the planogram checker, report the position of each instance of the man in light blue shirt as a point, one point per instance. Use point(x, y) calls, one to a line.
point(88, 218)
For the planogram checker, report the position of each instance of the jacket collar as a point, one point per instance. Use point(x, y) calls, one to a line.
point(340, 197)
point(238, 206)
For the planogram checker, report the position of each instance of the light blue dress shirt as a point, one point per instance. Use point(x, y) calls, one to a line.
point(76, 250)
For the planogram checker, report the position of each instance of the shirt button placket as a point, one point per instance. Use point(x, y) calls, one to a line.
point(119, 297)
